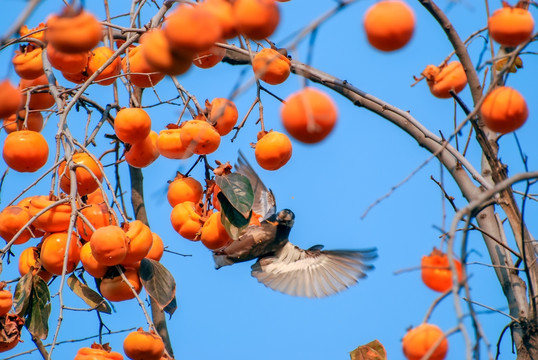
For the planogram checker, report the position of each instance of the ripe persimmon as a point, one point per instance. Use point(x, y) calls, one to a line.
point(28, 63)
point(214, 235)
point(143, 153)
point(73, 31)
point(25, 203)
point(29, 259)
point(389, 24)
point(90, 263)
point(98, 57)
point(419, 340)
point(70, 63)
point(223, 11)
point(25, 151)
point(139, 240)
point(109, 245)
point(98, 215)
point(210, 57)
point(6, 299)
point(37, 89)
point(159, 55)
point(504, 110)
point(12, 219)
point(97, 352)
point(442, 80)
point(170, 145)
point(138, 70)
point(309, 115)
point(20, 121)
point(157, 248)
point(143, 345)
point(436, 273)
point(273, 150)
point(183, 189)
point(223, 114)
point(271, 66)
point(37, 32)
point(53, 252)
point(11, 99)
point(115, 289)
point(95, 197)
point(86, 183)
point(186, 220)
point(55, 219)
point(199, 137)
point(511, 26)
point(257, 19)
point(132, 125)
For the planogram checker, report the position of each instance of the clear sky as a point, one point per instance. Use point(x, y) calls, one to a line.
point(227, 314)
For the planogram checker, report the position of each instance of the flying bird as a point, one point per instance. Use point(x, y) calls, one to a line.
point(282, 266)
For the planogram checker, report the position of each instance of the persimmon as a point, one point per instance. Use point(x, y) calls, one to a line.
point(115, 289)
point(271, 66)
point(28, 63)
point(419, 340)
point(6, 299)
point(19, 121)
point(95, 197)
point(37, 89)
point(143, 153)
point(223, 11)
point(139, 240)
point(98, 215)
point(389, 24)
point(159, 55)
point(186, 220)
point(191, 29)
point(273, 150)
point(214, 235)
point(97, 352)
point(257, 19)
point(90, 263)
point(86, 182)
point(443, 79)
point(436, 273)
point(183, 189)
point(25, 151)
point(143, 345)
point(134, 62)
point(53, 251)
point(157, 248)
point(25, 203)
point(504, 110)
point(223, 114)
point(109, 245)
point(73, 31)
point(132, 125)
point(70, 63)
point(309, 115)
point(12, 219)
point(29, 259)
point(98, 57)
point(210, 57)
point(200, 137)
point(11, 99)
point(55, 219)
point(37, 32)
point(511, 26)
point(170, 145)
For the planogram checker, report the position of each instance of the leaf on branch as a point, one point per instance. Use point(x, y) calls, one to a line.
point(374, 350)
point(23, 291)
point(171, 308)
point(39, 311)
point(232, 230)
point(90, 297)
point(158, 282)
point(239, 195)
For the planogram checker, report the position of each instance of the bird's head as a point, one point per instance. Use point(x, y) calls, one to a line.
point(285, 217)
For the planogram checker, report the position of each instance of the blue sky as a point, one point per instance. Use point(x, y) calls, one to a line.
point(226, 313)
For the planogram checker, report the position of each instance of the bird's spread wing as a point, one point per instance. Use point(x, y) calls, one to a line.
point(264, 201)
point(312, 273)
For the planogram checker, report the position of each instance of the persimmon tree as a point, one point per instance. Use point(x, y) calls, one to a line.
point(96, 96)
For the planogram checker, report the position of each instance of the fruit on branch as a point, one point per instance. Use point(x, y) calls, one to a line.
point(25, 151)
point(143, 153)
point(200, 137)
point(115, 289)
point(15, 122)
point(132, 125)
point(98, 215)
point(157, 248)
point(139, 240)
point(90, 263)
point(170, 145)
point(442, 79)
point(143, 345)
point(97, 352)
point(28, 63)
point(389, 24)
point(98, 57)
point(53, 250)
point(186, 220)
point(148, 77)
point(183, 189)
point(222, 114)
point(210, 57)
point(158, 54)
point(214, 235)
point(511, 26)
point(25, 203)
point(6, 299)
point(86, 183)
point(223, 12)
point(39, 32)
point(271, 66)
point(436, 272)
point(309, 115)
point(70, 63)
point(109, 245)
point(419, 340)
point(257, 19)
point(95, 197)
point(55, 219)
point(11, 99)
point(12, 220)
point(40, 98)
point(504, 110)
point(73, 31)
point(29, 259)
point(273, 150)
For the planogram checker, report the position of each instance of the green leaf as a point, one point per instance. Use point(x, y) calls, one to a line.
point(90, 297)
point(158, 282)
point(374, 350)
point(238, 192)
point(23, 291)
point(39, 311)
point(232, 230)
point(233, 216)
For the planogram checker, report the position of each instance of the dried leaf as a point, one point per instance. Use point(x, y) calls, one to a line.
point(39, 310)
point(158, 282)
point(90, 297)
point(171, 308)
point(374, 350)
point(23, 290)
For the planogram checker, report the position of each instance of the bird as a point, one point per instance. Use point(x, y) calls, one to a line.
point(282, 266)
